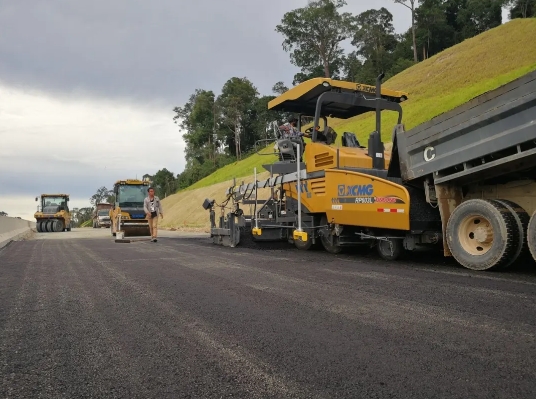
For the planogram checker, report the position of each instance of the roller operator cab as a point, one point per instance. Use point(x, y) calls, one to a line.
point(127, 214)
point(53, 213)
point(346, 197)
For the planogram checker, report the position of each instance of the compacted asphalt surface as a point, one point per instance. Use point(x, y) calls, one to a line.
point(85, 317)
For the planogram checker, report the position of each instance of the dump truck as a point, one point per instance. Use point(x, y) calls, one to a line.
point(462, 182)
point(127, 214)
point(101, 215)
point(53, 213)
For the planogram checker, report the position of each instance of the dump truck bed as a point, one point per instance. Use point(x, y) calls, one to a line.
point(492, 135)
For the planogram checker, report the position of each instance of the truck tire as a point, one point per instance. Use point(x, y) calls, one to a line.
point(482, 235)
point(531, 235)
point(522, 220)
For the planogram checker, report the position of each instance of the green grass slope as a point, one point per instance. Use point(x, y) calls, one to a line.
point(242, 168)
point(435, 86)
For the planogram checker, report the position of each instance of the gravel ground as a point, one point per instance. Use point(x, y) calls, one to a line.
point(182, 318)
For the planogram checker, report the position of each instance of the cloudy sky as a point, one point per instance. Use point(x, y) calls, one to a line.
point(87, 88)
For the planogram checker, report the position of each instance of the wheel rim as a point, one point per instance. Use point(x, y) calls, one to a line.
point(476, 235)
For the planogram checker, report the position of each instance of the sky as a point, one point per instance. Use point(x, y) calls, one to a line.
point(87, 89)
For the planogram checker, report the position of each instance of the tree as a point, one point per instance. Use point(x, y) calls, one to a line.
point(411, 5)
point(521, 8)
point(100, 196)
point(313, 34)
point(469, 18)
point(375, 41)
point(266, 117)
point(352, 65)
point(197, 119)
point(236, 111)
point(434, 34)
point(279, 88)
point(2, 213)
point(479, 16)
point(81, 215)
point(164, 182)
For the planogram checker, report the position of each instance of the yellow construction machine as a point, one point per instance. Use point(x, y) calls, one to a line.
point(127, 214)
point(53, 213)
point(336, 196)
point(463, 181)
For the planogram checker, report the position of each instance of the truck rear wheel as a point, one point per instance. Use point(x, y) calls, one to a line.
point(482, 235)
point(531, 235)
point(522, 220)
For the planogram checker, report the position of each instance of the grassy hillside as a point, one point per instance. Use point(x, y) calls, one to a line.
point(238, 169)
point(435, 86)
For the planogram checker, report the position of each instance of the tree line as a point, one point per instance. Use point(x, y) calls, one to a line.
point(220, 129)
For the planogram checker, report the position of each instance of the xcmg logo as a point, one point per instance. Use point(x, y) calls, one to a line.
point(357, 190)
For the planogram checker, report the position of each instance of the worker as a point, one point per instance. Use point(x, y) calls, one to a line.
point(153, 208)
point(289, 129)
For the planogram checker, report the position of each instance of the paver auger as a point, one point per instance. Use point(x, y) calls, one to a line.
point(463, 181)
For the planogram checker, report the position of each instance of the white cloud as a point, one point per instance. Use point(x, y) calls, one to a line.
point(75, 144)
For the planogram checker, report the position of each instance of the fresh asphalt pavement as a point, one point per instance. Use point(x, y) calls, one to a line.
point(182, 318)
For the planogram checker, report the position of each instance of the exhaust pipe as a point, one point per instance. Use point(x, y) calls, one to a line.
point(376, 149)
